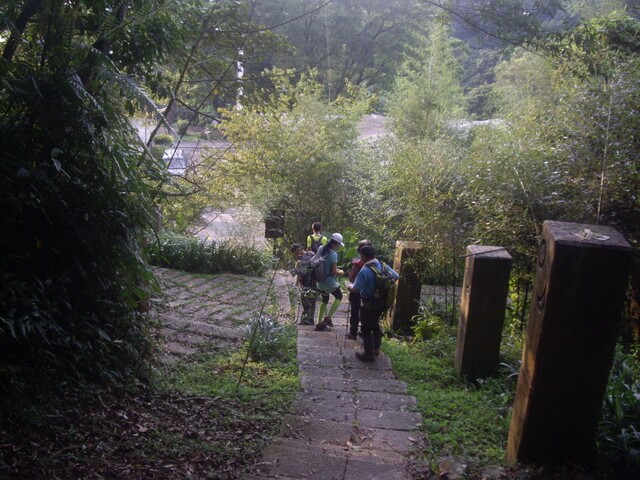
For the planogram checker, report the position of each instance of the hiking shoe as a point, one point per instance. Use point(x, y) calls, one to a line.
point(364, 357)
point(328, 321)
point(351, 336)
point(306, 321)
point(321, 326)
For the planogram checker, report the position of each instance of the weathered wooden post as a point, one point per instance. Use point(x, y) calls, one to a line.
point(581, 281)
point(409, 287)
point(482, 310)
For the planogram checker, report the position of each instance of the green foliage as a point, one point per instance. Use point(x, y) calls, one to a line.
point(291, 151)
point(181, 126)
point(163, 139)
point(427, 95)
point(76, 185)
point(191, 254)
point(357, 41)
point(269, 340)
point(272, 383)
point(619, 430)
point(425, 325)
point(459, 418)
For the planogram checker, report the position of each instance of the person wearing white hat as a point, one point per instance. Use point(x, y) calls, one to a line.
point(329, 285)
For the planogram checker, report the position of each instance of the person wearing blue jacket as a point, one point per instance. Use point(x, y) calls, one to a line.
point(365, 285)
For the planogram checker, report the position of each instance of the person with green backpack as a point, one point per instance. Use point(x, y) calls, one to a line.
point(375, 283)
point(316, 239)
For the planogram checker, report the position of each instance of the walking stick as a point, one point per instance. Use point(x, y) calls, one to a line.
point(346, 328)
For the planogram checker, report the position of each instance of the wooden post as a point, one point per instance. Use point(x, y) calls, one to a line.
point(409, 286)
point(581, 281)
point(482, 310)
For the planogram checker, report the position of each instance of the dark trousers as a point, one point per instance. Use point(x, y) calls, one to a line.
point(354, 316)
point(371, 332)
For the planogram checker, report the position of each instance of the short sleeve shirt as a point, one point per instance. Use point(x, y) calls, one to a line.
point(330, 283)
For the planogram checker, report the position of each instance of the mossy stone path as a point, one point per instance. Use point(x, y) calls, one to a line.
point(351, 419)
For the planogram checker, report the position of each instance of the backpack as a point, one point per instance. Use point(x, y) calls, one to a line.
point(386, 287)
point(316, 243)
point(307, 272)
point(317, 264)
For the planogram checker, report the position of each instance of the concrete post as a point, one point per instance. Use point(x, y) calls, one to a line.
point(482, 310)
point(408, 297)
point(156, 222)
point(581, 280)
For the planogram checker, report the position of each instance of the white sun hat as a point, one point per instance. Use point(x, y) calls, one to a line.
point(338, 238)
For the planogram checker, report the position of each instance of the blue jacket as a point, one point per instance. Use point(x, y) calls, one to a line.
point(366, 280)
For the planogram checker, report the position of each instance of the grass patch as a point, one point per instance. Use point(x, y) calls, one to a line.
point(273, 378)
point(470, 420)
point(460, 418)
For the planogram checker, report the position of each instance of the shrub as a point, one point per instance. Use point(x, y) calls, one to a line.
point(268, 339)
point(191, 254)
point(163, 139)
point(619, 430)
point(425, 324)
point(181, 126)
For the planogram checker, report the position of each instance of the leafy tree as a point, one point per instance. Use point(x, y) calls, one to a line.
point(76, 187)
point(564, 153)
point(427, 95)
point(346, 41)
point(291, 150)
point(204, 77)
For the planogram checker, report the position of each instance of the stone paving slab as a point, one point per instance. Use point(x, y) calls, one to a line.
point(315, 371)
point(360, 469)
point(312, 464)
point(322, 349)
point(370, 374)
point(382, 385)
point(389, 420)
point(352, 419)
point(384, 439)
point(320, 359)
point(381, 363)
point(385, 401)
point(310, 383)
point(317, 431)
point(341, 412)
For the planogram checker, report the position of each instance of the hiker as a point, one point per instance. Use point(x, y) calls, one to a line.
point(354, 297)
point(316, 239)
point(370, 313)
point(306, 281)
point(327, 283)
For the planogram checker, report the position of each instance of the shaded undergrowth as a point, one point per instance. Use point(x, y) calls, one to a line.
point(195, 419)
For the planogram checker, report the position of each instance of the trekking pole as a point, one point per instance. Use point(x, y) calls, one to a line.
point(346, 328)
point(298, 314)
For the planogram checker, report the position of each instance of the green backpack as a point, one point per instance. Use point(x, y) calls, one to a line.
point(386, 287)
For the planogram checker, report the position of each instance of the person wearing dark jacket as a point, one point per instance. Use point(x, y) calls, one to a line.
point(365, 285)
point(354, 297)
